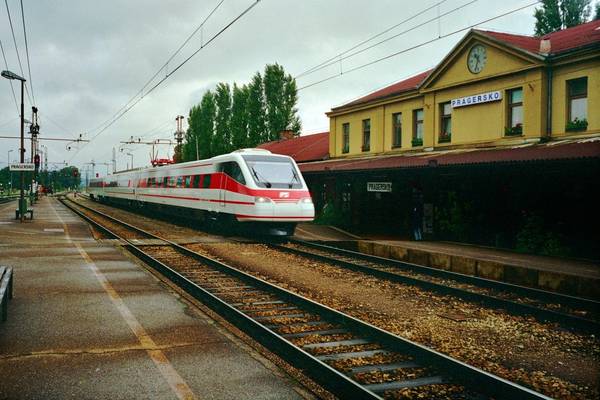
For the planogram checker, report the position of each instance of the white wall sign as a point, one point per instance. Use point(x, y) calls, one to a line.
point(379, 186)
point(476, 99)
point(22, 167)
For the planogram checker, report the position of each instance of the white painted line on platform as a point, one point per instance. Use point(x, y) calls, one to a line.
point(311, 234)
point(344, 232)
point(175, 381)
point(5, 222)
point(54, 230)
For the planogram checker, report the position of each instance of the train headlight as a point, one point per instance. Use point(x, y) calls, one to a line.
point(305, 200)
point(262, 200)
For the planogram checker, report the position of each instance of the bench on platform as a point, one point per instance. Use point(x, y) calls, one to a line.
point(29, 211)
point(6, 290)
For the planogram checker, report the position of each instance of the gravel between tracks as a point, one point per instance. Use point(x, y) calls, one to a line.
point(555, 362)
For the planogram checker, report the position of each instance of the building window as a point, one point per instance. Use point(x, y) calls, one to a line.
point(417, 128)
point(397, 130)
point(515, 112)
point(366, 135)
point(577, 104)
point(346, 137)
point(445, 123)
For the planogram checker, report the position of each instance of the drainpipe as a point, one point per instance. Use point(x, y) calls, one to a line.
point(546, 50)
point(549, 103)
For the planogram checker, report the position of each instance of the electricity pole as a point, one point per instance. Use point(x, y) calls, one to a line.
point(179, 137)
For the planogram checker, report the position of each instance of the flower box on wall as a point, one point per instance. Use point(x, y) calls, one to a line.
point(417, 142)
point(576, 125)
point(516, 130)
point(445, 138)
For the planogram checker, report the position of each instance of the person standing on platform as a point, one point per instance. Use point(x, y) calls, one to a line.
point(417, 214)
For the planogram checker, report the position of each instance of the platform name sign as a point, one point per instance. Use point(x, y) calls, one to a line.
point(379, 186)
point(476, 99)
point(22, 167)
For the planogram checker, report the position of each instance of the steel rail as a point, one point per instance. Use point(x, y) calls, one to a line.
point(534, 293)
point(333, 380)
point(541, 314)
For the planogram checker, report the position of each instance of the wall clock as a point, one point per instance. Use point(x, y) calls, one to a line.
point(477, 58)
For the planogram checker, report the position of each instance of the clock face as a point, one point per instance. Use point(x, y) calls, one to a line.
point(477, 59)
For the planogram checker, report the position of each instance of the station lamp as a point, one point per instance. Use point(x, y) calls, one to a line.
point(22, 202)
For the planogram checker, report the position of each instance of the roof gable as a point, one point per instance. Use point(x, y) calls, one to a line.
point(502, 58)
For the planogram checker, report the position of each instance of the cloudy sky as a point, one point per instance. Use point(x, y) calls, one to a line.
point(89, 57)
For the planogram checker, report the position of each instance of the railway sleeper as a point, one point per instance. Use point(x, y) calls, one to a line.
point(396, 385)
point(382, 367)
point(350, 342)
point(353, 354)
point(319, 332)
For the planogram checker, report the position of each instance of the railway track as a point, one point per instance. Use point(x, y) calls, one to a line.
point(348, 357)
point(519, 300)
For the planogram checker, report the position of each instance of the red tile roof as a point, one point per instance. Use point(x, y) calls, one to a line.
point(560, 41)
point(302, 148)
point(539, 152)
point(403, 86)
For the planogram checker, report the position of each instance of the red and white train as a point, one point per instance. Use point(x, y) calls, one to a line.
point(262, 190)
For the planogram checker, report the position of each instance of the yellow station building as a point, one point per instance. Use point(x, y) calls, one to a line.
point(492, 89)
point(499, 144)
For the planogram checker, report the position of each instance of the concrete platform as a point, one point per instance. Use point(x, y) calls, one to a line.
point(573, 277)
point(88, 322)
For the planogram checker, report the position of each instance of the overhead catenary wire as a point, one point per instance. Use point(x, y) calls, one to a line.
point(417, 46)
point(167, 76)
point(59, 126)
point(141, 91)
point(438, 17)
point(10, 81)
point(27, 53)
point(16, 47)
point(337, 56)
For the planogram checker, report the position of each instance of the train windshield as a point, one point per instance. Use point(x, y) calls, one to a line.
point(273, 172)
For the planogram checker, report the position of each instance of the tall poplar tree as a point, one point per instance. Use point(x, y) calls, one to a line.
point(560, 14)
point(192, 134)
point(255, 109)
point(222, 138)
point(206, 125)
point(239, 117)
point(281, 96)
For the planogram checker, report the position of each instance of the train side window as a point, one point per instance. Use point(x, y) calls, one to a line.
point(188, 179)
point(180, 181)
point(233, 170)
point(165, 181)
point(206, 181)
point(236, 173)
point(196, 181)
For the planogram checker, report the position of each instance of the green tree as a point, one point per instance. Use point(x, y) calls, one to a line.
point(192, 135)
point(281, 96)
point(205, 126)
point(560, 14)
point(597, 13)
point(574, 12)
point(222, 137)
point(239, 117)
point(255, 109)
point(547, 18)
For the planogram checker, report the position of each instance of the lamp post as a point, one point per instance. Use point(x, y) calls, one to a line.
point(22, 201)
point(9, 171)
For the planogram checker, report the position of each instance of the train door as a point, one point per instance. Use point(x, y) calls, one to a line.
point(222, 186)
point(231, 171)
